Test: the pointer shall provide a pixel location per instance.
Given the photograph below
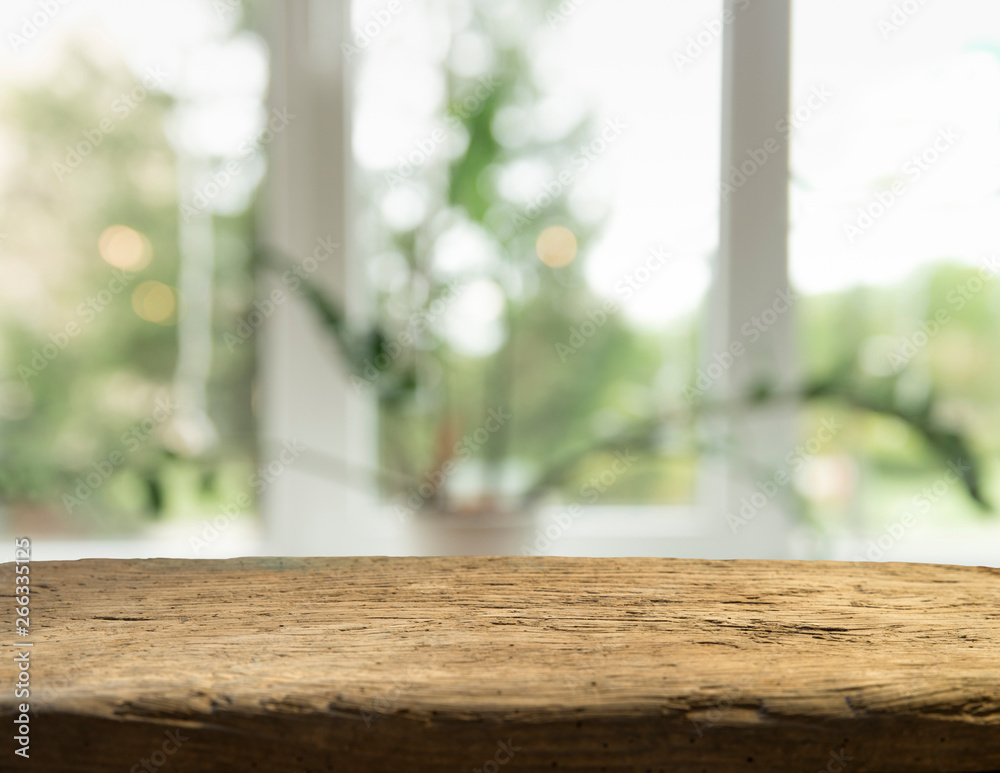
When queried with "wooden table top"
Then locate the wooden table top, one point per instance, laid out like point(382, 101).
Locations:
point(527, 663)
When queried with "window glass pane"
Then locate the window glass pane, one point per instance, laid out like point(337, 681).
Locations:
point(540, 186)
point(896, 168)
point(125, 263)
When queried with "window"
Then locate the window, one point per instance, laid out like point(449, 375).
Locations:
point(892, 243)
point(553, 219)
point(126, 264)
point(609, 262)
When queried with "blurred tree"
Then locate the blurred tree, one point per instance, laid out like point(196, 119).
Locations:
point(90, 306)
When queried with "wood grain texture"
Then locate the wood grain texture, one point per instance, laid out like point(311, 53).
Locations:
point(526, 663)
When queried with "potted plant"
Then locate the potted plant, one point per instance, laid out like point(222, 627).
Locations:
point(459, 415)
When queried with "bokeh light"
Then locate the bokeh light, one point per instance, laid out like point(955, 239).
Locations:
point(125, 248)
point(154, 302)
point(556, 246)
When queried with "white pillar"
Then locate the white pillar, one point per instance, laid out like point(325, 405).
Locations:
point(753, 261)
point(316, 506)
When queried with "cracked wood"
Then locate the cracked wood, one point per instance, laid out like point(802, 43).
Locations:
point(524, 663)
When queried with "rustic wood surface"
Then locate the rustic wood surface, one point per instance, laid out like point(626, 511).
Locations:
point(441, 664)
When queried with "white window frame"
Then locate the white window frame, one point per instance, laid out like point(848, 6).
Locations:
point(307, 512)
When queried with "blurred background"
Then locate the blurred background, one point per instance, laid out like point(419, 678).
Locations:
point(488, 276)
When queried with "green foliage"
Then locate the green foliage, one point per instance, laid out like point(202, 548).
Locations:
point(573, 407)
point(97, 401)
